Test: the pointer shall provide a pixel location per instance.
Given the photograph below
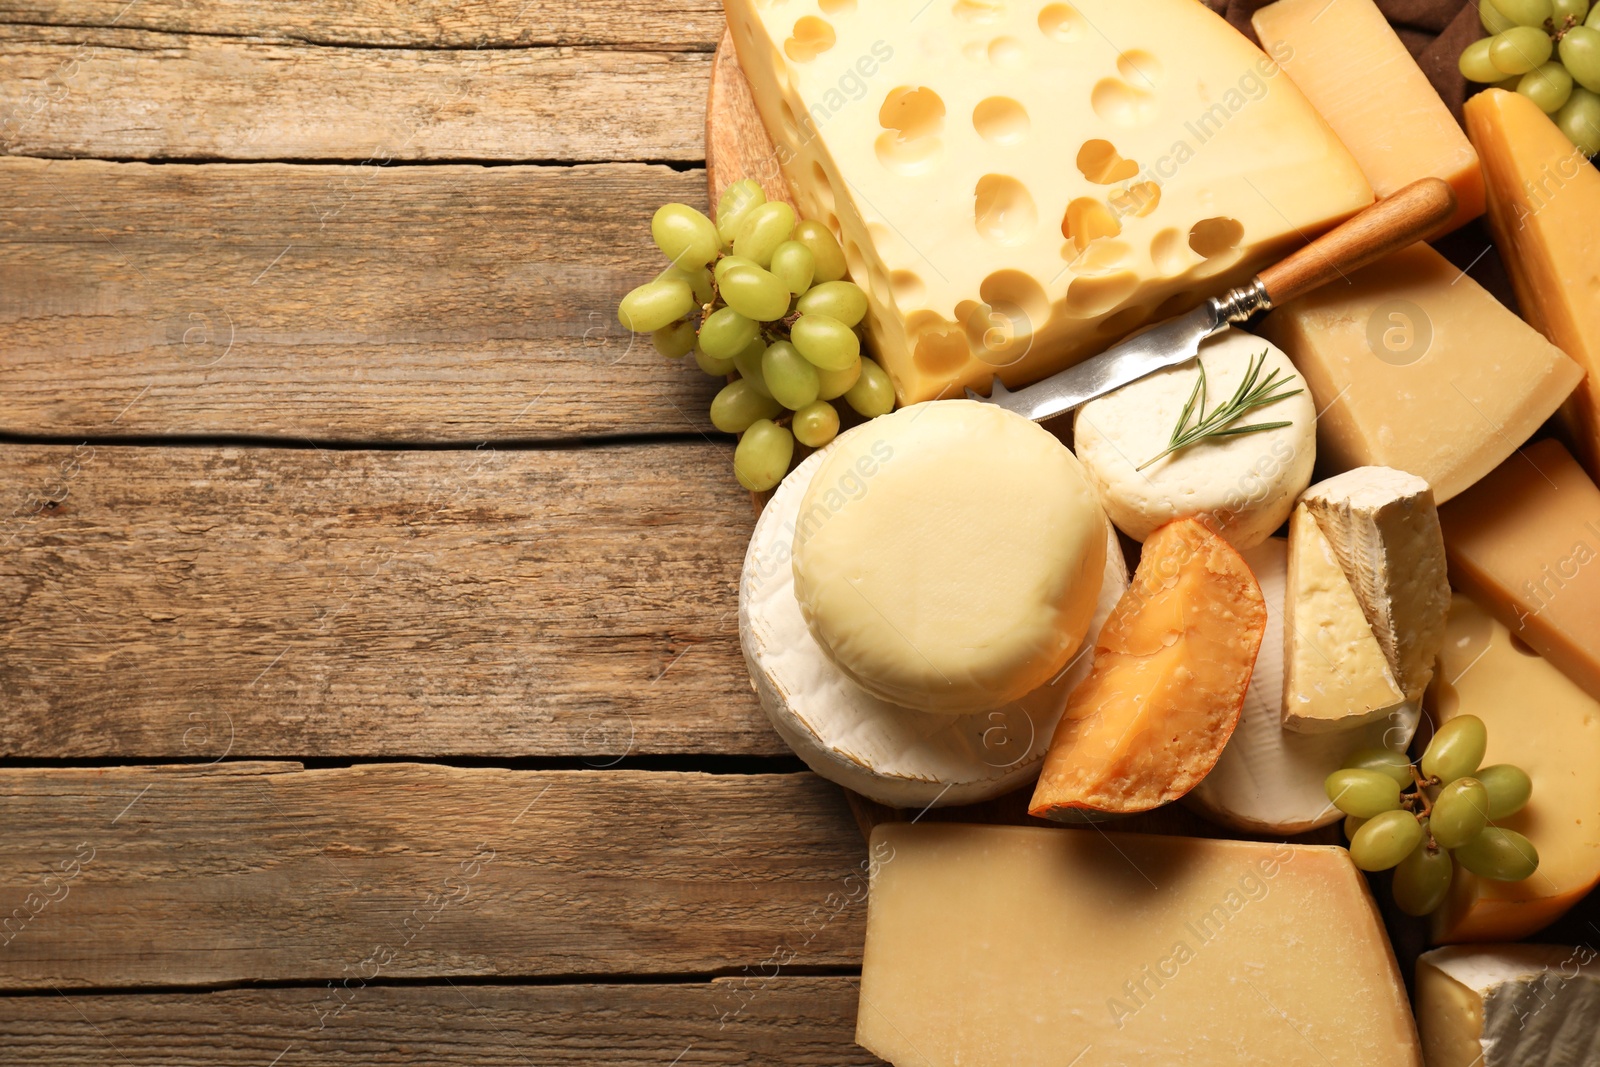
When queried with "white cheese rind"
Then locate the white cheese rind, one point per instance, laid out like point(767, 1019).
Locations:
point(1384, 528)
point(891, 754)
point(965, 571)
point(1269, 780)
point(1245, 485)
point(1509, 1006)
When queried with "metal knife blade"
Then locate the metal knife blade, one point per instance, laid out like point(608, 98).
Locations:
point(1167, 344)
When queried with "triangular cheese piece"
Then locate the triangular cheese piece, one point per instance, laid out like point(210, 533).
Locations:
point(1335, 674)
point(1544, 211)
point(1384, 529)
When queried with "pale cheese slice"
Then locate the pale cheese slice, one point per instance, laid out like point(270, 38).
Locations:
point(1336, 676)
point(1384, 529)
point(1004, 946)
point(1269, 780)
point(1509, 1006)
point(894, 755)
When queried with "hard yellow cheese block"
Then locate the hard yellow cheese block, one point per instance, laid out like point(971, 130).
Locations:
point(1354, 69)
point(1541, 722)
point(1016, 192)
point(994, 946)
point(1414, 366)
point(1544, 211)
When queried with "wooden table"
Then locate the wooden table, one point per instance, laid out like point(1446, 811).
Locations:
point(370, 688)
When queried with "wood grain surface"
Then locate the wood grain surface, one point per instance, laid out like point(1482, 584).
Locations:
point(264, 872)
point(381, 304)
point(201, 602)
point(737, 144)
point(806, 1022)
point(138, 94)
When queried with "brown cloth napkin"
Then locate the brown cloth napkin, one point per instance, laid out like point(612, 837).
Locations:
point(1435, 31)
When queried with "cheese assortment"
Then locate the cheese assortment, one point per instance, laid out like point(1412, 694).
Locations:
point(1243, 485)
point(1509, 1006)
point(1012, 191)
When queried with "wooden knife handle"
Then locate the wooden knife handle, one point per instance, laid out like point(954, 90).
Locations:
point(1387, 226)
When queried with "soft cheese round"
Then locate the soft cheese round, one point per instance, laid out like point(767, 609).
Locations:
point(1246, 482)
point(892, 754)
point(949, 557)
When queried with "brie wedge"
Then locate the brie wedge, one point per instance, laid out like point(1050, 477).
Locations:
point(891, 754)
point(1509, 1006)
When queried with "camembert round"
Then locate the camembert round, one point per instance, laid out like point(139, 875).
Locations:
point(948, 557)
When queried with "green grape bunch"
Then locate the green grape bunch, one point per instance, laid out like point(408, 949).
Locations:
point(1415, 819)
point(1549, 51)
point(774, 306)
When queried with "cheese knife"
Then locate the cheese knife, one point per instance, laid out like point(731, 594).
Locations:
point(1386, 226)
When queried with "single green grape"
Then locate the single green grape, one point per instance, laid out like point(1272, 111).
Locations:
point(1593, 21)
point(1548, 86)
point(1520, 50)
point(674, 341)
point(748, 364)
point(793, 264)
point(1491, 19)
point(739, 404)
point(1352, 823)
point(1459, 812)
point(1422, 879)
point(816, 424)
point(1561, 10)
point(1361, 792)
point(698, 279)
point(835, 383)
point(763, 455)
point(791, 379)
point(727, 263)
point(655, 304)
point(1580, 54)
point(755, 293)
point(838, 300)
point(1579, 119)
point(737, 201)
point(1500, 855)
point(873, 393)
point(827, 342)
point(1523, 12)
point(717, 368)
point(1475, 64)
point(1456, 750)
point(763, 230)
point(685, 236)
point(825, 250)
point(725, 333)
point(1508, 787)
point(1385, 840)
point(1383, 760)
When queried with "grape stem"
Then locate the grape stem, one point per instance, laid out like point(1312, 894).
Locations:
point(1566, 25)
point(1421, 796)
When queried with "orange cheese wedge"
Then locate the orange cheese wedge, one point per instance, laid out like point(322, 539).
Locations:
point(1170, 673)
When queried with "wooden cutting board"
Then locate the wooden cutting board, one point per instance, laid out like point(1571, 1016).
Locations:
point(738, 147)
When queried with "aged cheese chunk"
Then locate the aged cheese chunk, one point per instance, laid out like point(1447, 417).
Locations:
point(1268, 779)
point(1001, 946)
point(1242, 486)
point(966, 573)
point(1016, 185)
point(1414, 366)
point(1335, 674)
point(1541, 722)
point(1384, 528)
point(1170, 673)
point(1354, 69)
point(893, 755)
point(1509, 1006)
point(1544, 212)
point(1525, 542)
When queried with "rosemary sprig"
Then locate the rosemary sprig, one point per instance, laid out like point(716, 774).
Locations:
point(1250, 395)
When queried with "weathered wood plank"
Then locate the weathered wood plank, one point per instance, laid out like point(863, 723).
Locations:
point(413, 304)
point(189, 602)
point(688, 24)
point(117, 93)
point(182, 876)
point(790, 1021)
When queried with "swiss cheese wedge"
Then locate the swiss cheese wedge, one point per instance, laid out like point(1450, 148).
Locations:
point(1170, 674)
